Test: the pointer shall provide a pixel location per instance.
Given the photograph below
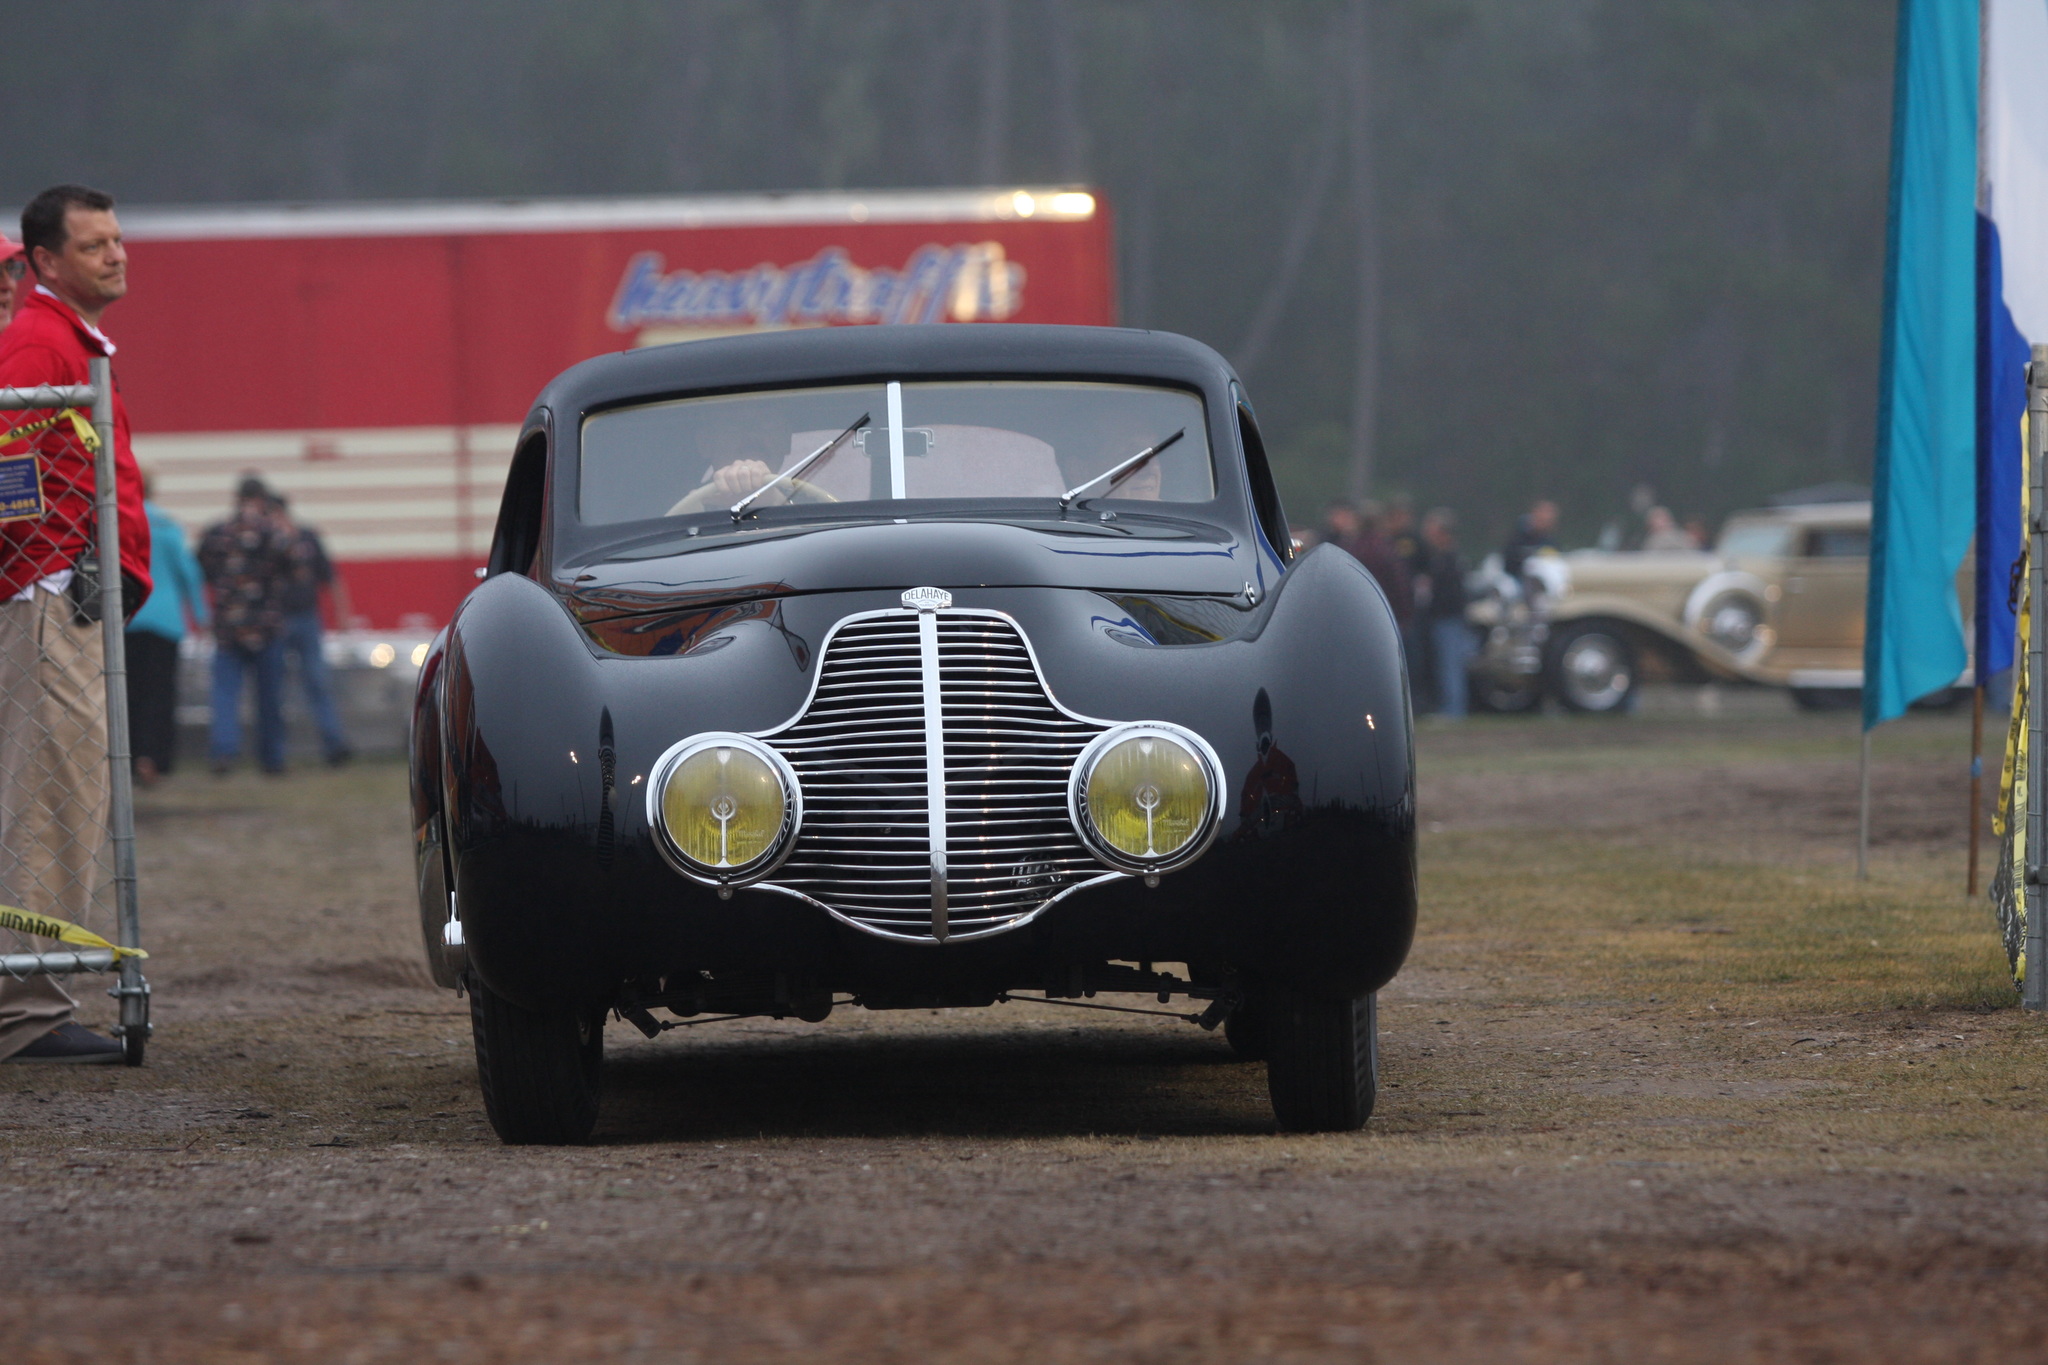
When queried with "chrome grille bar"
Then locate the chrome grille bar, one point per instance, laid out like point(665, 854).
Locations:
point(934, 762)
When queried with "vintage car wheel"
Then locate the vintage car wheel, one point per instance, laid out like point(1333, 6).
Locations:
point(1245, 1031)
point(540, 1070)
point(1323, 1061)
point(1592, 668)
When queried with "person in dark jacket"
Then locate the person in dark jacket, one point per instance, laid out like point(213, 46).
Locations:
point(1405, 538)
point(154, 634)
point(1443, 611)
point(1360, 533)
point(248, 565)
point(304, 635)
point(1535, 531)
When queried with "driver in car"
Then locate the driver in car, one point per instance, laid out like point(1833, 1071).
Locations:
point(727, 483)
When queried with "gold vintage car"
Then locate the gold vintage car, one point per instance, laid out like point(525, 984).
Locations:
point(1778, 601)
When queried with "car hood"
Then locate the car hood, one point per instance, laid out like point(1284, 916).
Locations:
point(1131, 554)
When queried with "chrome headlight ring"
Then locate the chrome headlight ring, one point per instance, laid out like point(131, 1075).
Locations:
point(753, 869)
point(1211, 769)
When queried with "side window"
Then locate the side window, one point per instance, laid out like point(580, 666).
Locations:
point(520, 515)
point(1265, 497)
point(1838, 542)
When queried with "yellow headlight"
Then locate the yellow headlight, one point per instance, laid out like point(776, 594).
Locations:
point(1149, 796)
point(724, 807)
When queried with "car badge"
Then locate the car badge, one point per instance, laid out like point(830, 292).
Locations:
point(927, 599)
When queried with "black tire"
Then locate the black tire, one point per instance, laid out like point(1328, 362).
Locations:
point(1941, 699)
point(1827, 698)
point(1245, 1031)
point(1509, 694)
point(1591, 668)
point(1323, 1067)
point(541, 1071)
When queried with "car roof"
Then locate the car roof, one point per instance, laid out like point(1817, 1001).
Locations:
point(825, 355)
point(1810, 514)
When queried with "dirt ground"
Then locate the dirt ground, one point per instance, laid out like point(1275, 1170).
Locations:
point(1662, 1083)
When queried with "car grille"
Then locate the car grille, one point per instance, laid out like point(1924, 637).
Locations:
point(859, 749)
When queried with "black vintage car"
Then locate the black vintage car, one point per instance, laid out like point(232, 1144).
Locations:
point(908, 667)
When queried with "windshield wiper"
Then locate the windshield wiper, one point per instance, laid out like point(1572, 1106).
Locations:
point(1116, 475)
point(739, 508)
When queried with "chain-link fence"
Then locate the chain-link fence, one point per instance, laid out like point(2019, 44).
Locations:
point(67, 818)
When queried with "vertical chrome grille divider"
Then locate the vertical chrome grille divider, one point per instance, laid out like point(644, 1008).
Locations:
point(934, 761)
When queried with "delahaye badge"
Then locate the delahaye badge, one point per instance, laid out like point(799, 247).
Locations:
point(927, 599)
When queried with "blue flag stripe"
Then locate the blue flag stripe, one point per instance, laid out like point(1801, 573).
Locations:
point(1924, 486)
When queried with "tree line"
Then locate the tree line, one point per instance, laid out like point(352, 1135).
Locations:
point(1473, 251)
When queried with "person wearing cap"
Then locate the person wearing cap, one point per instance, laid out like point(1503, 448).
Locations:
point(13, 266)
point(247, 560)
point(53, 723)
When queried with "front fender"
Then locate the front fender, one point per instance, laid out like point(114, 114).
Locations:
point(1716, 659)
point(1312, 879)
point(546, 743)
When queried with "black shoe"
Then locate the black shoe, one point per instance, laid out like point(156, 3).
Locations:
point(339, 758)
point(70, 1043)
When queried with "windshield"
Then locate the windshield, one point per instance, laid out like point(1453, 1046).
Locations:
point(920, 441)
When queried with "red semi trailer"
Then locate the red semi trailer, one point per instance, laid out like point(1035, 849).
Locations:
point(372, 361)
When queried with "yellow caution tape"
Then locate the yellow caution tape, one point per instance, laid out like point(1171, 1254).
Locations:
point(2010, 822)
point(47, 926)
point(80, 426)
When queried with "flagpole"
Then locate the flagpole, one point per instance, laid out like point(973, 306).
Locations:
point(1976, 785)
point(1863, 816)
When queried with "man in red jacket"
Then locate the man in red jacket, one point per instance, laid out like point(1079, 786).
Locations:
point(54, 778)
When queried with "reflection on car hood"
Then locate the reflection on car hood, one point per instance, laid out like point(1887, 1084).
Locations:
point(1133, 554)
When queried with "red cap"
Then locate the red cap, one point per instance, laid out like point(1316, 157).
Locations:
point(10, 248)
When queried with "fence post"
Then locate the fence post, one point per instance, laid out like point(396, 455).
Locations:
point(2034, 989)
point(133, 990)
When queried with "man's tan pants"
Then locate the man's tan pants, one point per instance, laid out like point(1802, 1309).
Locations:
point(53, 792)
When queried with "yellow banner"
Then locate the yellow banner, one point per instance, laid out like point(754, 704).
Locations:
point(46, 926)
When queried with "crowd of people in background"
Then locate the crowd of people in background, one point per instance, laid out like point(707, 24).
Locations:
point(1424, 573)
point(263, 573)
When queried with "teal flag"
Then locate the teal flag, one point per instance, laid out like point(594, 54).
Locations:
point(1924, 490)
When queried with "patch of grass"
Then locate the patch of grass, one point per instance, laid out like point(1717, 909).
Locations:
point(1582, 917)
point(1509, 745)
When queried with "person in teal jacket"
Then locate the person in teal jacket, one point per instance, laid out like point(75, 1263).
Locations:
point(177, 604)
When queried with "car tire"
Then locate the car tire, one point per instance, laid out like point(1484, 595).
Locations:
point(1591, 668)
point(541, 1071)
point(1827, 698)
point(1941, 699)
point(1245, 1031)
point(1504, 695)
point(1323, 1061)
